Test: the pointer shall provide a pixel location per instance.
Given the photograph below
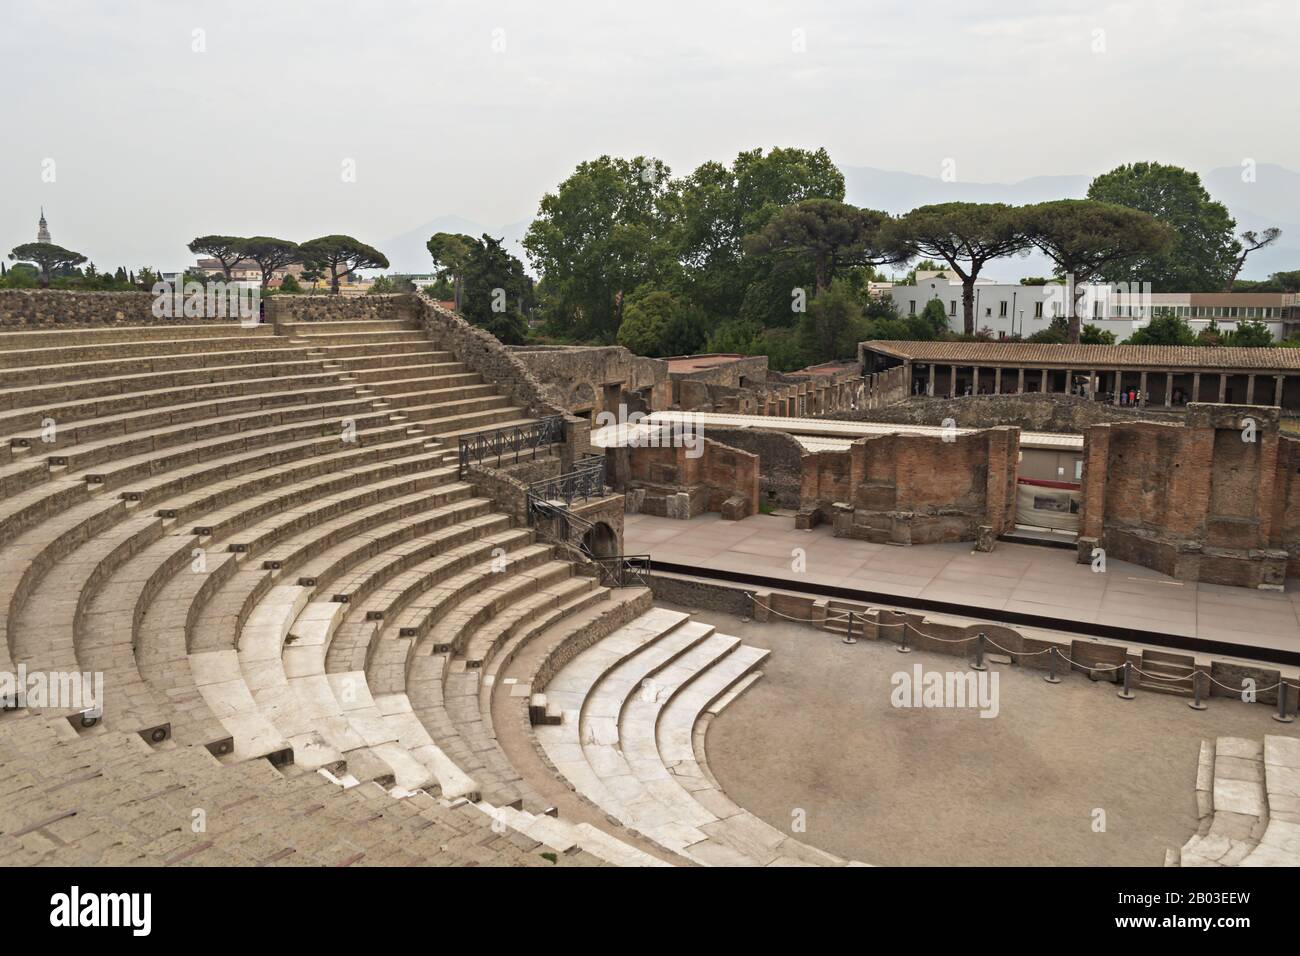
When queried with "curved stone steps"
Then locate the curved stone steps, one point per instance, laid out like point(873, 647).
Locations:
point(83, 425)
point(1280, 843)
point(1239, 812)
point(270, 351)
point(45, 628)
point(29, 557)
point(109, 800)
point(401, 583)
point(590, 693)
point(679, 741)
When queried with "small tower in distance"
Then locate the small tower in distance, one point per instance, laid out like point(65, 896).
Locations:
point(43, 229)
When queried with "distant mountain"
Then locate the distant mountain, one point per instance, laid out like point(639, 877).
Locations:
point(407, 252)
point(1273, 199)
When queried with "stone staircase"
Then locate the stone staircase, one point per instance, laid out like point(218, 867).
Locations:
point(632, 711)
point(1248, 802)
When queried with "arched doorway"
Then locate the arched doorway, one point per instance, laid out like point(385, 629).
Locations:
point(600, 540)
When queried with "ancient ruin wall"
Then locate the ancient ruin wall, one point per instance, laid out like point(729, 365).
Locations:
point(1211, 500)
point(916, 489)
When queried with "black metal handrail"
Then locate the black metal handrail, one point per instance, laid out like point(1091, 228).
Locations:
point(615, 570)
point(586, 481)
point(513, 440)
point(624, 570)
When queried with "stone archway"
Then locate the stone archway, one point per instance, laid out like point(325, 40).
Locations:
point(601, 540)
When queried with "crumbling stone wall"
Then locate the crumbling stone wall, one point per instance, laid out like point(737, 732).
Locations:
point(780, 458)
point(670, 482)
point(916, 489)
point(577, 377)
point(1213, 499)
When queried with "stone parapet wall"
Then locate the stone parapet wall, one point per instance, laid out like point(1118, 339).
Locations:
point(483, 352)
point(580, 378)
point(340, 308)
point(60, 308)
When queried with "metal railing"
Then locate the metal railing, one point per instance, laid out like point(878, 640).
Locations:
point(614, 570)
point(624, 570)
point(503, 442)
point(586, 481)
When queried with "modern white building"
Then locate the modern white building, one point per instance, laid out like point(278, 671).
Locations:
point(1008, 310)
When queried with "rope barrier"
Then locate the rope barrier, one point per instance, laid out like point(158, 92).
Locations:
point(850, 616)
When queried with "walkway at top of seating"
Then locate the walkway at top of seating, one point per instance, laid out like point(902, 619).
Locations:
point(1018, 578)
point(824, 432)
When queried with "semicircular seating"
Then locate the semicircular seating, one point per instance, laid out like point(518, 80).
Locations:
point(290, 610)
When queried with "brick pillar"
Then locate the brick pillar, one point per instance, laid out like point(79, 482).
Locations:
point(1169, 389)
point(1223, 387)
point(997, 380)
point(1196, 386)
point(1092, 493)
point(1250, 389)
point(1142, 387)
point(1020, 379)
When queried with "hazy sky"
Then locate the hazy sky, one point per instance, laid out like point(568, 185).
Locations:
point(153, 132)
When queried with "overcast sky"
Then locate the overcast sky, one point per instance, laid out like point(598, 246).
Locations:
point(158, 121)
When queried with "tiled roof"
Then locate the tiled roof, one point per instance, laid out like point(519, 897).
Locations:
point(1094, 356)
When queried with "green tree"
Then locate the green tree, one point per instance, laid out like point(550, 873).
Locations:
point(1165, 328)
point(289, 284)
point(269, 253)
point(603, 233)
point(935, 317)
point(965, 235)
point(1251, 241)
point(720, 205)
point(450, 252)
point(341, 256)
point(48, 258)
point(1096, 335)
point(495, 288)
point(826, 235)
point(1085, 238)
point(1250, 334)
point(657, 323)
point(833, 325)
point(222, 248)
point(1202, 253)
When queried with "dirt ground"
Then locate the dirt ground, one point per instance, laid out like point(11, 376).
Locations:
point(818, 737)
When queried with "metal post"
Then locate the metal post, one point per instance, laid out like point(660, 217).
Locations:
point(1127, 692)
point(979, 653)
point(1051, 677)
point(1282, 717)
point(1196, 703)
point(849, 638)
point(902, 647)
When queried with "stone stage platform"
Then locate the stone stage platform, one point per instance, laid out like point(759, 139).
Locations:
point(1012, 579)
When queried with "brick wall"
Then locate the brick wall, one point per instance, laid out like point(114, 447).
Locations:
point(670, 482)
point(1213, 499)
point(916, 489)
